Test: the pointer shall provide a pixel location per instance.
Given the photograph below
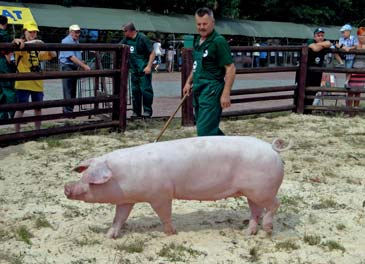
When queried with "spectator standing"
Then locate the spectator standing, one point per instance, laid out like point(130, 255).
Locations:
point(29, 61)
point(256, 56)
point(7, 91)
point(141, 59)
point(357, 80)
point(170, 58)
point(263, 56)
point(318, 48)
point(71, 61)
point(212, 75)
point(347, 42)
point(158, 52)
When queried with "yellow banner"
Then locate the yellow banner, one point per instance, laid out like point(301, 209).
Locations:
point(17, 15)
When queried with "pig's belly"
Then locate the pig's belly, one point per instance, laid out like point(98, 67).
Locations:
point(207, 188)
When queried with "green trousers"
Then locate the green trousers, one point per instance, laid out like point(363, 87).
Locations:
point(207, 107)
point(142, 93)
point(7, 96)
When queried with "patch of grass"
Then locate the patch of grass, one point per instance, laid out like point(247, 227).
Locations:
point(53, 142)
point(4, 235)
point(136, 246)
point(312, 240)
point(41, 222)
point(85, 241)
point(326, 204)
point(287, 245)
point(340, 227)
point(23, 234)
point(290, 203)
point(254, 254)
point(174, 252)
point(11, 258)
point(83, 261)
point(333, 245)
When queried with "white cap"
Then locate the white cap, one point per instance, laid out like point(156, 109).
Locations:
point(346, 27)
point(74, 27)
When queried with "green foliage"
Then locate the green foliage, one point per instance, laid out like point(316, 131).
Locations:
point(135, 246)
point(327, 12)
point(174, 252)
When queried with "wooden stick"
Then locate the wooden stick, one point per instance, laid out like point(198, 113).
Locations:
point(171, 117)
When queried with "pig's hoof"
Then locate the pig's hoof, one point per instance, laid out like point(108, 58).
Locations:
point(171, 232)
point(251, 231)
point(268, 229)
point(112, 233)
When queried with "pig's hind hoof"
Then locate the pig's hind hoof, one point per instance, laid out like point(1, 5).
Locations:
point(112, 233)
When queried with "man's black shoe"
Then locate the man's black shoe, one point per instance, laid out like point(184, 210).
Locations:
point(135, 115)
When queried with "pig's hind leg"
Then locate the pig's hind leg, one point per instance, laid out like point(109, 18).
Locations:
point(271, 208)
point(122, 212)
point(256, 212)
point(163, 209)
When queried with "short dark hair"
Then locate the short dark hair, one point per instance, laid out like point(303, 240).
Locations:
point(129, 26)
point(3, 20)
point(204, 11)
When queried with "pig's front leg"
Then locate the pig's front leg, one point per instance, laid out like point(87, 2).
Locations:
point(121, 214)
point(163, 209)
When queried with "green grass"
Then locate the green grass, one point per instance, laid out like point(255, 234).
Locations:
point(333, 245)
point(23, 234)
point(85, 241)
point(287, 245)
point(41, 222)
point(340, 227)
point(175, 252)
point(312, 240)
point(326, 204)
point(11, 258)
point(136, 246)
point(254, 254)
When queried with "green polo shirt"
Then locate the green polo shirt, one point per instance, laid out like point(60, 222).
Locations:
point(211, 57)
point(140, 49)
point(316, 58)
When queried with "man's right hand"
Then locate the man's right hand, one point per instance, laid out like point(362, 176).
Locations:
point(86, 67)
point(187, 89)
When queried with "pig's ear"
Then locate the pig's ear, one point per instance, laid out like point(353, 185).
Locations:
point(98, 174)
point(83, 165)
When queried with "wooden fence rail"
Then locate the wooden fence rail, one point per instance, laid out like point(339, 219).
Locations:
point(118, 74)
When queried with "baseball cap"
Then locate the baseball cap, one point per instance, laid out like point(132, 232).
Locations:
point(74, 27)
point(318, 30)
point(30, 26)
point(346, 27)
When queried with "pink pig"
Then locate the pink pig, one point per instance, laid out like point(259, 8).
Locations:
point(199, 168)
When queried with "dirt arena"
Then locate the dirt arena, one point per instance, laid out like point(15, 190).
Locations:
point(321, 218)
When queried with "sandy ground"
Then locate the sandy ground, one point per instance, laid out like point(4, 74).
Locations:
point(321, 218)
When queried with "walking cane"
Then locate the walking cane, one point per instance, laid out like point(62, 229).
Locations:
point(171, 117)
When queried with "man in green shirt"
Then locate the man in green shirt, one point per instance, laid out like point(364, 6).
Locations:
point(318, 48)
point(212, 76)
point(7, 91)
point(142, 56)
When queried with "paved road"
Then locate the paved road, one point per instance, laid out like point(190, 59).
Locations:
point(167, 87)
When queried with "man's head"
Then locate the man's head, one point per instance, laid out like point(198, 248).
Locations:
point(129, 30)
point(318, 35)
point(204, 20)
point(346, 31)
point(30, 31)
point(3, 21)
point(75, 31)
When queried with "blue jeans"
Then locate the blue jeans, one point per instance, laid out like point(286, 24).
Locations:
point(69, 86)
